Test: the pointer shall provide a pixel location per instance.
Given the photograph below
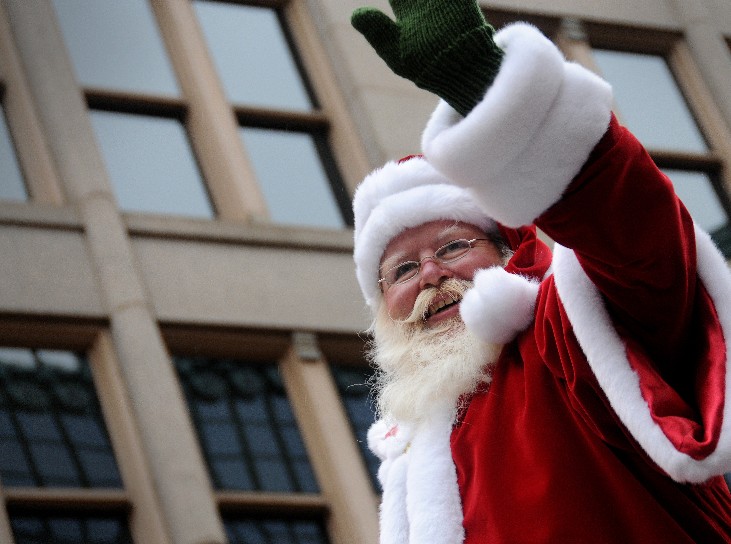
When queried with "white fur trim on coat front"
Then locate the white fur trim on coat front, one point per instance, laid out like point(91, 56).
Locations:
point(421, 501)
point(606, 354)
point(521, 146)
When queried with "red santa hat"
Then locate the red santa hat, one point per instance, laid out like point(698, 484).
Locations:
point(400, 195)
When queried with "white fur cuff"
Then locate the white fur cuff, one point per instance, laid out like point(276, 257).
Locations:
point(499, 305)
point(521, 146)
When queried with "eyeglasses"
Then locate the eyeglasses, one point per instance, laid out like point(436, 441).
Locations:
point(448, 253)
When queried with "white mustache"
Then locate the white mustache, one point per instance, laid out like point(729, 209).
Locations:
point(451, 287)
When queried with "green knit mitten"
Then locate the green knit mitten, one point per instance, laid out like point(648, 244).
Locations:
point(443, 46)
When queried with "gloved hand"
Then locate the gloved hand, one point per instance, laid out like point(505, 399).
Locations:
point(443, 46)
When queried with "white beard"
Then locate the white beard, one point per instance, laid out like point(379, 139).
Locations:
point(424, 369)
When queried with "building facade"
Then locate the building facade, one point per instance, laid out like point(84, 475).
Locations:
point(181, 331)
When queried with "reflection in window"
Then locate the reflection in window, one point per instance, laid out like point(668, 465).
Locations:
point(116, 45)
point(696, 191)
point(355, 392)
point(274, 532)
point(51, 429)
point(292, 177)
point(649, 101)
point(12, 186)
point(246, 426)
point(151, 164)
point(252, 55)
point(69, 530)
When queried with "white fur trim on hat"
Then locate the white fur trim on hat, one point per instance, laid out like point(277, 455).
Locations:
point(399, 196)
point(521, 146)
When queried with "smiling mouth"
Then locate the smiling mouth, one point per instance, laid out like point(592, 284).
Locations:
point(442, 304)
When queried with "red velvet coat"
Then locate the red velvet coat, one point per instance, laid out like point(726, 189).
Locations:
point(606, 420)
point(542, 456)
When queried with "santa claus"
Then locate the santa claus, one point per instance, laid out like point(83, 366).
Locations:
point(524, 396)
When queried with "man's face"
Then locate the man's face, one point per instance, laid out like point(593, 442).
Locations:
point(415, 244)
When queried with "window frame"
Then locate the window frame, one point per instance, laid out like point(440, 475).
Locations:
point(77, 336)
point(716, 162)
point(336, 462)
point(32, 153)
point(135, 501)
point(212, 122)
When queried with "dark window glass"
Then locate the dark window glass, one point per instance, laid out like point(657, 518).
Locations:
point(252, 55)
point(246, 426)
point(275, 532)
point(116, 45)
point(12, 186)
point(52, 433)
point(296, 186)
point(37, 529)
point(151, 164)
point(355, 392)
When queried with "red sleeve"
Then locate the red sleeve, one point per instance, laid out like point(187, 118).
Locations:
point(635, 241)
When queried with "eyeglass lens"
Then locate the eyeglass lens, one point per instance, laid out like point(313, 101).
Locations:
point(448, 252)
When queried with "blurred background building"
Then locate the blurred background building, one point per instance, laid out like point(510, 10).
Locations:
point(181, 347)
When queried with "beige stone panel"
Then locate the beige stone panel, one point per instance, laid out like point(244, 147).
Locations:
point(365, 68)
point(398, 120)
point(708, 49)
point(722, 11)
point(30, 256)
point(338, 11)
point(251, 286)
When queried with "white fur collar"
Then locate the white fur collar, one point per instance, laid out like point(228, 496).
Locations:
point(421, 501)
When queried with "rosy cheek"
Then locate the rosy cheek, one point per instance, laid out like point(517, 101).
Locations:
point(400, 304)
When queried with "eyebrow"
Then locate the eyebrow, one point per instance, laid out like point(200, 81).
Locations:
point(448, 232)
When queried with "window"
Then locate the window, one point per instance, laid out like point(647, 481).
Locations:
point(354, 385)
point(151, 164)
point(12, 186)
point(252, 444)
point(253, 56)
point(281, 129)
point(104, 52)
point(167, 142)
point(246, 426)
point(651, 104)
point(274, 531)
point(294, 180)
point(53, 437)
point(91, 529)
point(135, 106)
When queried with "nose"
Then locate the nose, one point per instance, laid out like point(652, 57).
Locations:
point(432, 273)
